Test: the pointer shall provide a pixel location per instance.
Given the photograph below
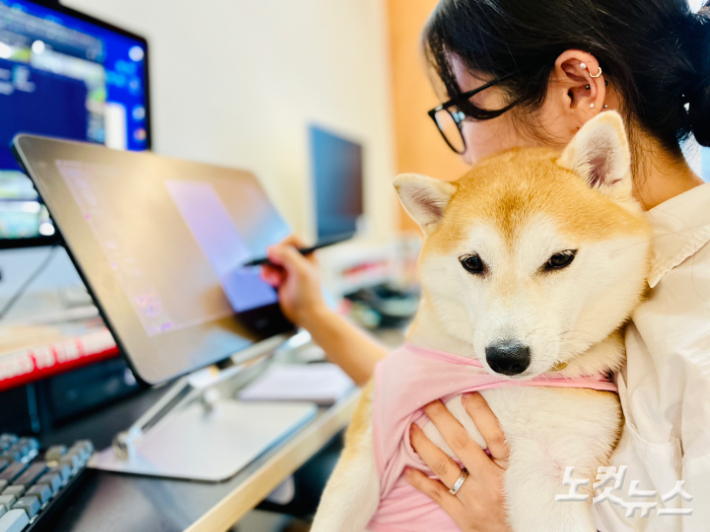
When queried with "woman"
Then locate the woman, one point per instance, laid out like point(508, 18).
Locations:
point(527, 73)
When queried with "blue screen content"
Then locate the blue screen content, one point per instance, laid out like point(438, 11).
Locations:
point(64, 77)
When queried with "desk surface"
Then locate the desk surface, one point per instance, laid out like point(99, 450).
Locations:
point(116, 502)
point(113, 502)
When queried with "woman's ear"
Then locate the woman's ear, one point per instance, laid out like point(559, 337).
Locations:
point(577, 88)
point(424, 198)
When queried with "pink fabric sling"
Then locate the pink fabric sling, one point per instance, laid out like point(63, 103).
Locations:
point(405, 381)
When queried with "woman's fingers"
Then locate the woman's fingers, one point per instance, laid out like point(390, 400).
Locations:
point(286, 255)
point(294, 241)
point(487, 424)
point(437, 460)
point(288, 258)
point(463, 446)
point(274, 275)
point(434, 489)
point(480, 502)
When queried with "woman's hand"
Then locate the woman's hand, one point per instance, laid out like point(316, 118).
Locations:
point(479, 505)
point(297, 280)
point(301, 299)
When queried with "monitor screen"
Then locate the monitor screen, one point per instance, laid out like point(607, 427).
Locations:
point(338, 184)
point(64, 75)
point(162, 245)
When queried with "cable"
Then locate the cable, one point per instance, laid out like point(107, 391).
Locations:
point(21, 291)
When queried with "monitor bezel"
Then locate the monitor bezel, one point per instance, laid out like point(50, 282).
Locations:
point(42, 241)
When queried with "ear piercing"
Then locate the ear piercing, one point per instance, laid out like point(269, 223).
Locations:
point(606, 106)
point(583, 66)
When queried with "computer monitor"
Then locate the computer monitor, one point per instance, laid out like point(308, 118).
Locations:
point(162, 245)
point(337, 167)
point(63, 74)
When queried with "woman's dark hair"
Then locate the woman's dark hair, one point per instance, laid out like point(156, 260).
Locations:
point(655, 53)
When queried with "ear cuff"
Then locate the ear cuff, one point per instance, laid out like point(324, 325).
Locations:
point(583, 66)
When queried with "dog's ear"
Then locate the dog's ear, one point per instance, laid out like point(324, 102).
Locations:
point(424, 198)
point(600, 153)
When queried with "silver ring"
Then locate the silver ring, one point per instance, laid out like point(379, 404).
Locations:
point(459, 482)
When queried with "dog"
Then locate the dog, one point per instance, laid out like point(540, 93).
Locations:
point(530, 267)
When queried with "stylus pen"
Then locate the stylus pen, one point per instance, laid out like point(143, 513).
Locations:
point(304, 251)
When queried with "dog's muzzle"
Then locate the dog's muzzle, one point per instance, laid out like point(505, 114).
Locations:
point(508, 358)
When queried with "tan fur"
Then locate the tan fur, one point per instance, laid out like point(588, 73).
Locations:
point(360, 422)
point(513, 205)
point(505, 189)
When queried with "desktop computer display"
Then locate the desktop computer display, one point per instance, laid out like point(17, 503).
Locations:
point(66, 75)
point(337, 166)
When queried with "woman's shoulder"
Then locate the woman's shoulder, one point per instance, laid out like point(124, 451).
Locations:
point(679, 276)
point(675, 313)
point(677, 306)
point(687, 276)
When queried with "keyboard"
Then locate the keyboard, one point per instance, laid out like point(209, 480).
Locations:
point(32, 482)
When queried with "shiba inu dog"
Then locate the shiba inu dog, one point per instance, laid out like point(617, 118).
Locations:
point(531, 265)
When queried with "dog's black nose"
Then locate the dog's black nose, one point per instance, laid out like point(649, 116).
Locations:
point(508, 358)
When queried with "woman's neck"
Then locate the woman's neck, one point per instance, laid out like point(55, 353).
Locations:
point(661, 175)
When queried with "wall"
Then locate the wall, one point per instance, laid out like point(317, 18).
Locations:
point(419, 145)
point(236, 82)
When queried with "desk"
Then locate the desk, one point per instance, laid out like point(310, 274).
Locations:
point(112, 502)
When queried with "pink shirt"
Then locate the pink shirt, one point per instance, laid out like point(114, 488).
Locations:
point(406, 381)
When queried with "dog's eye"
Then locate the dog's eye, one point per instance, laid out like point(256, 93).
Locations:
point(560, 260)
point(472, 264)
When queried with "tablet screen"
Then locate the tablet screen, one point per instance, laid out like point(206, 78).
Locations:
point(162, 243)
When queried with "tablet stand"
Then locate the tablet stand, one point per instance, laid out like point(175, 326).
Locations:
point(199, 431)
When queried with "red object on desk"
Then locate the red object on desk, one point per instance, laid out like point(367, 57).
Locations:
point(31, 364)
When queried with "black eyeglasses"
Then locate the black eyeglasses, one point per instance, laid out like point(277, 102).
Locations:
point(449, 116)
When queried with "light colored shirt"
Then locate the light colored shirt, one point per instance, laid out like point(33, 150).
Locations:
point(403, 385)
point(665, 386)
